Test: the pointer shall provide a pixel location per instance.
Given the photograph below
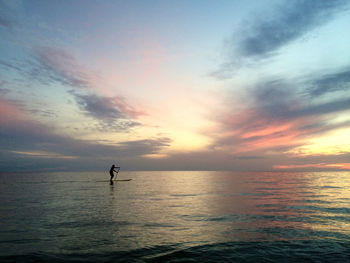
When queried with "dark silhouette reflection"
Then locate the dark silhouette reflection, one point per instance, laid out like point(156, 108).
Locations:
point(111, 192)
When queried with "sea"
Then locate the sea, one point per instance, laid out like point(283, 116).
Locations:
point(180, 216)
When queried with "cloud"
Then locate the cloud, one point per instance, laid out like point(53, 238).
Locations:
point(17, 130)
point(321, 166)
point(209, 160)
point(106, 107)
point(7, 19)
point(113, 113)
point(338, 81)
point(290, 22)
point(32, 108)
point(279, 100)
point(99, 107)
point(322, 108)
point(57, 65)
point(26, 139)
point(274, 98)
point(277, 117)
point(262, 37)
point(318, 162)
point(3, 91)
point(10, 65)
point(53, 65)
point(144, 146)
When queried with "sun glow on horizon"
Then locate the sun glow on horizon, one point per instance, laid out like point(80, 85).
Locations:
point(333, 143)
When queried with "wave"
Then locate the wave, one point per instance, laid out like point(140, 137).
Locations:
point(281, 251)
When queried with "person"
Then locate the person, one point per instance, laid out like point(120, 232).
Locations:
point(113, 170)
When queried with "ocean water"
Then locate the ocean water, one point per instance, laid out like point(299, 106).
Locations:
point(175, 217)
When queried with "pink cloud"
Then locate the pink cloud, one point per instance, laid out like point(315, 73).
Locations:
point(13, 119)
point(249, 130)
point(336, 166)
point(126, 108)
point(10, 114)
point(61, 66)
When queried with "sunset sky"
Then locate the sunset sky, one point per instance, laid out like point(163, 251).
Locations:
point(175, 85)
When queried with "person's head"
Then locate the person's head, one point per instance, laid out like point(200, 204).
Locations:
point(113, 165)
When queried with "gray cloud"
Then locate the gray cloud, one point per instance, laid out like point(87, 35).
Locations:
point(337, 81)
point(322, 108)
point(80, 148)
point(7, 19)
point(291, 21)
point(276, 99)
point(44, 113)
point(3, 91)
point(209, 160)
point(113, 113)
point(53, 65)
point(260, 39)
point(21, 135)
point(50, 65)
point(56, 65)
point(279, 117)
point(145, 146)
point(315, 160)
point(99, 107)
point(11, 66)
point(105, 107)
point(249, 157)
point(121, 125)
point(319, 127)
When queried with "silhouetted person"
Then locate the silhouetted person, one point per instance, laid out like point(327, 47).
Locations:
point(112, 170)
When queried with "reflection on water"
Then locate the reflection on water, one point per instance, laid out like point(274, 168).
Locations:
point(73, 212)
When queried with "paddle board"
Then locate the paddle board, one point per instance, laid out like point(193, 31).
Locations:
point(117, 180)
point(123, 180)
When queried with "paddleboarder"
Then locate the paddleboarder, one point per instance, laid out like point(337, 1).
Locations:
point(112, 170)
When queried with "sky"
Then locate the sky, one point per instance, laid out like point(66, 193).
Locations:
point(175, 85)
